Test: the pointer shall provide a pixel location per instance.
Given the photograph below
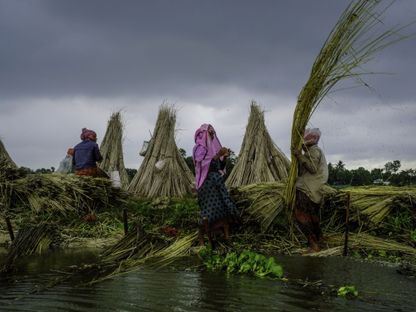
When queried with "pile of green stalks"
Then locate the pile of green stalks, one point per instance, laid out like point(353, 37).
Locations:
point(163, 172)
point(353, 42)
point(111, 149)
point(135, 250)
point(377, 202)
point(261, 202)
point(31, 239)
point(264, 203)
point(260, 160)
point(62, 194)
point(62, 200)
point(155, 214)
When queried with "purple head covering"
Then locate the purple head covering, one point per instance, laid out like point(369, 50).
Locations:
point(204, 150)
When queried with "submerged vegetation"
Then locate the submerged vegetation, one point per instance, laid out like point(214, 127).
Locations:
point(244, 262)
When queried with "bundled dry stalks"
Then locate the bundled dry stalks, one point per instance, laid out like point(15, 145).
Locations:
point(112, 149)
point(4, 155)
point(163, 172)
point(260, 160)
point(354, 41)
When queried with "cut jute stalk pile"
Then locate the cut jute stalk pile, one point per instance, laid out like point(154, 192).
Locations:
point(376, 203)
point(363, 241)
point(112, 149)
point(163, 172)
point(30, 240)
point(136, 249)
point(57, 193)
point(369, 205)
point(260, 160)
point(354, 41)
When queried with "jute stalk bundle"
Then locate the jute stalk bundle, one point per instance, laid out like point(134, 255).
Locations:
point(260, 160)
point(363, 241)
point(30, 240)
point(369, 205)
point(112, 149)
point(139, 248)
point(264, 201)
point(352, 43)
point(376, 203)
point(58, 193)
point(4, 155)
point(163, 172)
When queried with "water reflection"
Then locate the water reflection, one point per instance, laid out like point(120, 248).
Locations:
point(380, 288)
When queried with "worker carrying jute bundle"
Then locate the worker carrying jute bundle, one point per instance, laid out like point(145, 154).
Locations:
point(313, 174)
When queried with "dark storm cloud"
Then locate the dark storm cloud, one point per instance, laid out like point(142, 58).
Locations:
point(110, 48)
point(66, 64)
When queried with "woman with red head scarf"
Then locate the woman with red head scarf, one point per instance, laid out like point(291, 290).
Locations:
point(213, 198)
point(313, 174)
point(86, 154)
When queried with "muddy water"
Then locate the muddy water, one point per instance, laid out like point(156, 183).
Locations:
point(181, 289)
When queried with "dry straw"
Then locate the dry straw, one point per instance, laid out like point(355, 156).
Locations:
point(260, 160)
point(112, 149)
point(353, 42)
point(4, 155)
point(163, 172)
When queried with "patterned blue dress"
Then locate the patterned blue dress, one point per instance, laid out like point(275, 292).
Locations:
point(213, 198)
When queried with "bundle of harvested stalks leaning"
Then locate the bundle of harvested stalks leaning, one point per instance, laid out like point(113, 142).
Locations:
point(5, 157)
point(112, 149)
point(30, 240)
point(163, 172)
point(139, 248)
point(260, 160)
point(352, 43)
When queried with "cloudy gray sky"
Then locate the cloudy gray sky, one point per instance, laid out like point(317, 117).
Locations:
point(68, 64)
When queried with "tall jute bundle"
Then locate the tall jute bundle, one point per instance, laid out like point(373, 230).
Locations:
point(4, 155)
point(112, 149)
point(354, 41)
point(260, 160)
point(163, 171)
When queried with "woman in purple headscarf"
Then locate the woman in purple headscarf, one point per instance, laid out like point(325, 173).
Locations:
point(213, 198)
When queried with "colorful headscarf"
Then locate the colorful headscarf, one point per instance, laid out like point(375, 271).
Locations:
point(88, 134)
point(311, 136)
point(212, 146)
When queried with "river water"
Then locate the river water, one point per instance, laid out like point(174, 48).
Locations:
point(185, 288)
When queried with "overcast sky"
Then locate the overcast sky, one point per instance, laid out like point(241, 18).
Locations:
point(68, 64)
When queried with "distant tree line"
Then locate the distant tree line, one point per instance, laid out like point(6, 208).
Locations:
point(389, 175)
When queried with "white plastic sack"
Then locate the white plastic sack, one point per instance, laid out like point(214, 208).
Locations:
point(160, 164)
point(115, 178)
point(65, 166)
point(145, 146)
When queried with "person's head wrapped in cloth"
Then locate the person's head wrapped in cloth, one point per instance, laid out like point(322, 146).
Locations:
point(311, 136)
point(88, 134)
point(206, 147)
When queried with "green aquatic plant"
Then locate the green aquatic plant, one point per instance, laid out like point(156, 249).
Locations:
point(244, 262)
point(347, 292)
